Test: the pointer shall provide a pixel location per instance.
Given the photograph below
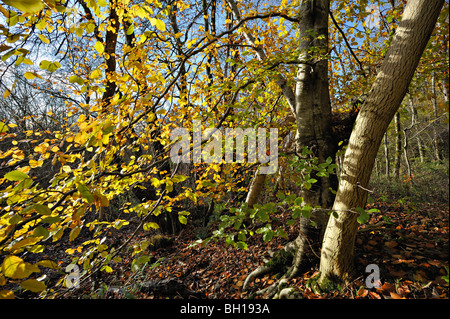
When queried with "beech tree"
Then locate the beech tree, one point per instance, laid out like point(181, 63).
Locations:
point(127, 73)
point(383, 100)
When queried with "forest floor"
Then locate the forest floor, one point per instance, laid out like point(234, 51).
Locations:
point(408, 242)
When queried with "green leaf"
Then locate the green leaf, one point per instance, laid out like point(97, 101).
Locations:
point(298, 201)
point(85, 193)
point(241, 245)
point(130, 29)
point(42, 209)
point(74, 233)
point(16, 176)
point(182, 219)
point(268, 235)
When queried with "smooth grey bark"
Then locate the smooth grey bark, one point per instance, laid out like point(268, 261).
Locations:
point(313, 116)
point(384, 98)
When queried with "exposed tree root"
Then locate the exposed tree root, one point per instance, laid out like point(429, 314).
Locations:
point(289, 261)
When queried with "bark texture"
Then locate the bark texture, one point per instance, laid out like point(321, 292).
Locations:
point(313, 116)
point(384, 98)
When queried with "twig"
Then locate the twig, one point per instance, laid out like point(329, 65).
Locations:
point(348, 44)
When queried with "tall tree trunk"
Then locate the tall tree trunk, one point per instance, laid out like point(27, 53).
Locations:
point(386, 155)
point(313, 116)
point(398, 145)
point(110, 50)
point(437, 155)
point(384, 98)
point(414, 121)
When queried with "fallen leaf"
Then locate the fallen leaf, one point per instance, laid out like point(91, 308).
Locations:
point(362, 292)
point(390, 244)
point(403, 290)
point(396, 296)
point(388, 287)
point(374, 295)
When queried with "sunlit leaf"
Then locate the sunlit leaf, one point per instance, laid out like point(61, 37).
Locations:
point(16, 176)
point(33, 285)
point(27, 6)
point(15, 268)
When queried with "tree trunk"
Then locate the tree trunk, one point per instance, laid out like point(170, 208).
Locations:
point(386, 154)
point(313, 116)
point(437, 155)
point(398, 145)
point(414, 121)
point(255, 189)
point(384, 98)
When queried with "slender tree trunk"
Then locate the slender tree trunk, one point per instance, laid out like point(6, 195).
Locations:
point(255, 189)
point(405, 150)
point(110, 50)
point(398, 145)
point(437, 155)
point(386, 154)
point(384, 98)
point(414, 121)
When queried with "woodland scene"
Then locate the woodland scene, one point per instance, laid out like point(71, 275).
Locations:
point(224, 149)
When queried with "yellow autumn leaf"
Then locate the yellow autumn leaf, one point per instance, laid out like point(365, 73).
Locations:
point(29, 75)
point(66, 169)
point(55, 149)
point(6, 294)
point(160, 25)
point(27, 6)
point(25, 242)
point(95, 74)
point(15, 268)
point(3, 128)
point(80, 138)
point(44, 38)
point(99, 47)
point(6, 93)
point(33, 285)
point(100, 200)
point(34, 163)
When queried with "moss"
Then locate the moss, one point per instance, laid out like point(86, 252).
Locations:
point(281, 261)
point(321, 285)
